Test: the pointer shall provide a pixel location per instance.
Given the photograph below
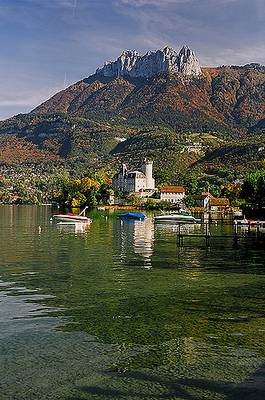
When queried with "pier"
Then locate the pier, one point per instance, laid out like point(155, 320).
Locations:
point(255, 234)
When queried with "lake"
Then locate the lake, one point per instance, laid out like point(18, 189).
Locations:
point(118, 311)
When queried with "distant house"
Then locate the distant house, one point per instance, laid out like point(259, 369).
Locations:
point(219, 204)
point(203, 200)
point(172, 194)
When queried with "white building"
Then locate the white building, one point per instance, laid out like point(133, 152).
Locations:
point(134, 181)
point(172, 194)
point(203, 200)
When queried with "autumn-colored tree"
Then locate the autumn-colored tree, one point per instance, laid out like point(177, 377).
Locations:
point(90, 184)
point(79, 192)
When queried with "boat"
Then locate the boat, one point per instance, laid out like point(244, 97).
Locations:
point(246, 222)
point(133, 215)
point(71, 218)
point(177, 217)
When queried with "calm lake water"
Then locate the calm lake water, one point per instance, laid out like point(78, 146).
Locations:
point(118, 311)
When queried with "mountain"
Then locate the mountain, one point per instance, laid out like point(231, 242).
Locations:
point(161, 104)
point(168, 88)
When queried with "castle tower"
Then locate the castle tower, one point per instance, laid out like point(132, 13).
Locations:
point(148, 169)
point(124, 170)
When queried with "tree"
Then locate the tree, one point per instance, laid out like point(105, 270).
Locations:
point(191, 183)
point(79, 192)
point(260, 194)
point(189, 201)
point(253, 189)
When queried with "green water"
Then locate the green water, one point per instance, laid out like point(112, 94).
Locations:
point(118, 311)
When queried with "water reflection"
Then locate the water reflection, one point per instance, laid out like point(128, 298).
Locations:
point(137, 238)
point(74, 227)
point(178, 228)
point(89, 303)
point(143, 240)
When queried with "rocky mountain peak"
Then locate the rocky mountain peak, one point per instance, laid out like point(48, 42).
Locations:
point(131, 64)
point(188, 62)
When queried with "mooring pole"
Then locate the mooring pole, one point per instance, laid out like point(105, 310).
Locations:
point(179, 236)
point(258, 232)
point(235, 234)
point(207, 235)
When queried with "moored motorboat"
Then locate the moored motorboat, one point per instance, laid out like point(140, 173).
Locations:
point(246, 222)
point(133, 215)
point(177, 217)
point(71, 218)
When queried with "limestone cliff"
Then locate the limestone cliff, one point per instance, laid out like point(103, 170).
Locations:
point(132, 64)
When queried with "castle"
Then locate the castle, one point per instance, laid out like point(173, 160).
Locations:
point(134, 181)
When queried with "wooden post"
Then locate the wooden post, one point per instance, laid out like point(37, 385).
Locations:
point(258, 232)
point(248, 228)
point(207, 235)
point(235, 235)
point(179, 236)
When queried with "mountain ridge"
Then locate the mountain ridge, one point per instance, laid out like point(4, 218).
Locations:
point(159, 114)
point(233, 97)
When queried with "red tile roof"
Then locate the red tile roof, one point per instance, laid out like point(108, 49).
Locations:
point(172, 189)
point(207, 194)
point(221, 201)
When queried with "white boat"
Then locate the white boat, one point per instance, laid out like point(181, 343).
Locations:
point(71, 218)
point(246, 222)
point(178, 217)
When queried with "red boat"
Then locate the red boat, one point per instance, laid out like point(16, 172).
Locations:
point(71, 218)
point(246, 222)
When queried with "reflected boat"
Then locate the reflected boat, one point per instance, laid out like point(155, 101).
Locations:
point(76, 227)
point(169, 227)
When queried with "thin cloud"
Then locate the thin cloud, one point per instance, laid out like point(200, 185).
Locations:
point(143, 3)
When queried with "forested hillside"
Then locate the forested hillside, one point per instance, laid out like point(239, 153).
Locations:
point(210, 124)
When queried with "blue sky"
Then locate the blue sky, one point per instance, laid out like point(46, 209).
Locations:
point(49, 44)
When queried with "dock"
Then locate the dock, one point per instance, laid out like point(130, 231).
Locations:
point(250, 233)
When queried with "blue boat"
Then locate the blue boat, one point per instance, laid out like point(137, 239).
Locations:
point(132, 215)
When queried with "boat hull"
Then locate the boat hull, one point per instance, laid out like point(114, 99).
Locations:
point(137, 216)
point(246, 222)
point(186, 219)
point(70, 218)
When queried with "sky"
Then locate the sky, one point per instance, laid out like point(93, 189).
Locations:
point(46, 45)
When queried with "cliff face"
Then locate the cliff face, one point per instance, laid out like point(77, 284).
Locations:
point(132, 64)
